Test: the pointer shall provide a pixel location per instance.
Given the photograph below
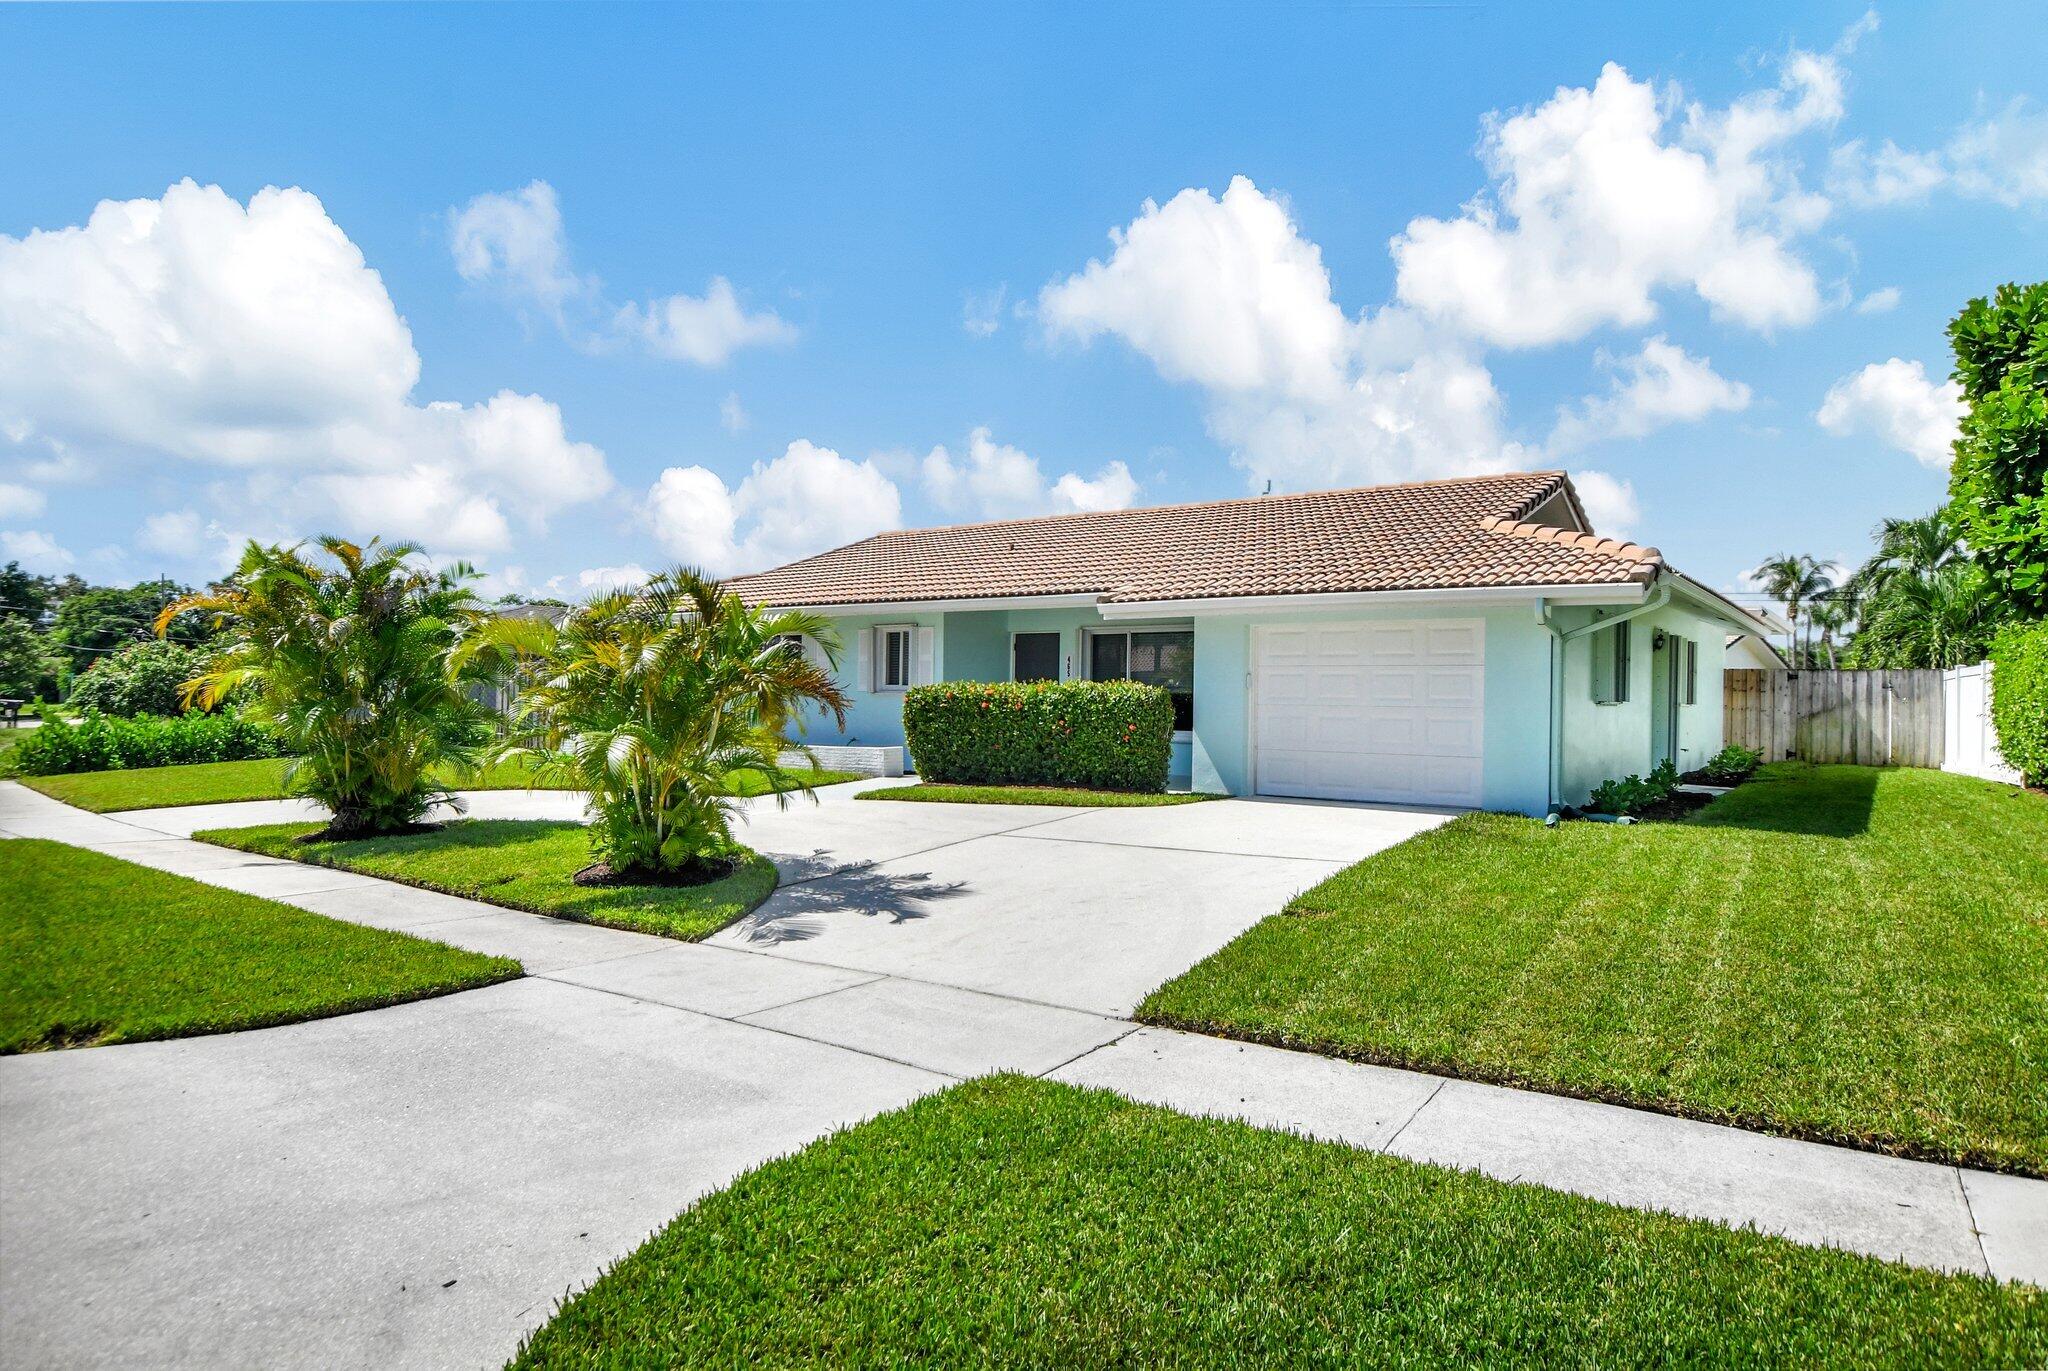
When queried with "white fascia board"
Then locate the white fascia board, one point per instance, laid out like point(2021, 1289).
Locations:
point(887, 607)
point(1628, 593)
point(1714, 605)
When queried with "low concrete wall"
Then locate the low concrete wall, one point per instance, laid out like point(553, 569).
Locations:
point(867, 761)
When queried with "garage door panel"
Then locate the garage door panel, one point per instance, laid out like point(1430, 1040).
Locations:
point(1376, 712)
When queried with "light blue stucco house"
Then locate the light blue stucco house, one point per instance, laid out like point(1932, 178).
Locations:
point(1467, 643)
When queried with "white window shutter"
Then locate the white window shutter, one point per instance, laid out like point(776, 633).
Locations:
point(926, 639)
point(864, 659)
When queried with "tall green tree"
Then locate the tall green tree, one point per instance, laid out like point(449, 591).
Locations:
point(1998, 483)
point(1796, 579)
point(28, 669)
point(348, 659)
point(646, 699)
point(100, 620)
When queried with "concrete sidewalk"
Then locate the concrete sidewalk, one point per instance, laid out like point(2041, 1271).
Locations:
point(416, 1185)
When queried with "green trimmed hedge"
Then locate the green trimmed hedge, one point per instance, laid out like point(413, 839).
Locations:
point(1106, 735)
point(2019, 698)
point(98, 743)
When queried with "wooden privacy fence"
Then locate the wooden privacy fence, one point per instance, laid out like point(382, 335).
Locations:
point(1865, 718)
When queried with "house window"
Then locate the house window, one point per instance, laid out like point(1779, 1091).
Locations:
point(792, 643)
point(1034, 656)
point(892, 657)
point(1610, 665)
point(1164, 659)
point(1692, 672)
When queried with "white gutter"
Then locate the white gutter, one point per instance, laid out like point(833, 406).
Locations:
point(1559, 639)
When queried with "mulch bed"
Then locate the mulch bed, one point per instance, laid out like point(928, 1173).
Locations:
point(696, 871)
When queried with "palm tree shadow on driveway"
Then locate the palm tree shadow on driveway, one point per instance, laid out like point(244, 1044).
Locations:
point(796, 912)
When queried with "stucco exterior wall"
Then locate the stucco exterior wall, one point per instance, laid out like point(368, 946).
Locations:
point(1600, 741)
point(1605, 741)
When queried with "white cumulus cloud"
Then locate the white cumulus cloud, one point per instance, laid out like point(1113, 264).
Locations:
point(806, 500)
point(18, 501)
point(1610, 503)
point(705, 329)
point(1659, 385)
point(1895, 402)
point(603, 578)
point(1601, 198)
point(994, 480)
point(254, 342)
point(515, 241)
point(37, 550)
point(1881, 301)
point(1228, 294)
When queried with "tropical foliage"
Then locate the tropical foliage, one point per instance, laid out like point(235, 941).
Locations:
point(28, 669)
point(347, 659)
point(1798, 580)
point(2019, 699)
point(1998, 483)
point(142, 678)
point(100, 743)
point(646, 699)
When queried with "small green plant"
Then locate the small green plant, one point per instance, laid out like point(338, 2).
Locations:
point(2019, 699)
point(1731, 764)
point(99, 743)
point(1634, 794)
point(1103, 735)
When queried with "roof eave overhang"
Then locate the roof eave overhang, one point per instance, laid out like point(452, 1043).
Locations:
point(1613, 593)
point(1712, 603)
point(871, 608)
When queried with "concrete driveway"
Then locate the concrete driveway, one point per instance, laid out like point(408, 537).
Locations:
point(416, 1186)
point(1083, 908)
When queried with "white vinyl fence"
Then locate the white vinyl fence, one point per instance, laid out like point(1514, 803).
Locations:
point(1970, 746)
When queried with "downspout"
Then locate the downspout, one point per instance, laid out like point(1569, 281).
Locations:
point(1659, 596)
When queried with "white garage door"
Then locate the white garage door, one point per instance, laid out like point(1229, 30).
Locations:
point(1372, 711)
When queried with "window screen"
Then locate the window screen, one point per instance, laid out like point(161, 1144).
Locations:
point(1165, 659)
point(1035, 657)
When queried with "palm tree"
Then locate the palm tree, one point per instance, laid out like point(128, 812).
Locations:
point(1939, 618)
point(646, 699)
point(1794, 579)
point(1829, 615)
point(347, 660)
point(1920, 546)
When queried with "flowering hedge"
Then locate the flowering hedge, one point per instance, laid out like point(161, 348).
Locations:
point(1107, 735)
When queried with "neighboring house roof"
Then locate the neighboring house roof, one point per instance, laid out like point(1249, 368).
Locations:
point(1472, 532)
point(1751, 651)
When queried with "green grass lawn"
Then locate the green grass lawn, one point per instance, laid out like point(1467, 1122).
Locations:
point(161, 787)
point(521, 864)
point(98, 950)
point(1841, 953)
point(1017, 1222)
point(1030, 795)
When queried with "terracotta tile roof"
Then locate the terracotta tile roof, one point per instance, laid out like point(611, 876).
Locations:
point(1425, 535)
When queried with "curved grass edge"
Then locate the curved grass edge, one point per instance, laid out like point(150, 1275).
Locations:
point(750, 886)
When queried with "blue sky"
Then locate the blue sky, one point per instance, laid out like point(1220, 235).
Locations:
point(602, 287)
